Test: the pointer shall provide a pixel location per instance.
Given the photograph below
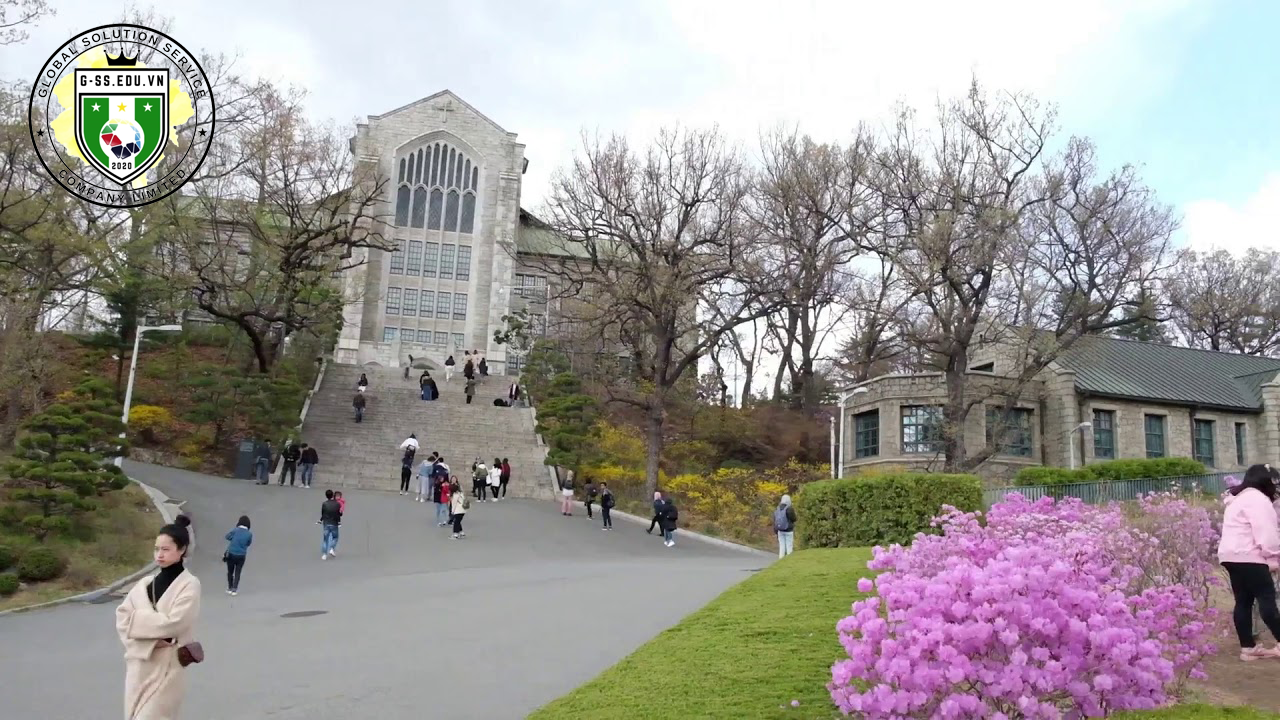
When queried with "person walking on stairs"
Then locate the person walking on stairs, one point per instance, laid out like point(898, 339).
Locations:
point(669, 518)
point(330, 519)
point(310, 458)
point(513, 393)
point(484, 368)
point(410, 444)
point(657, 511)
point(479, 479)
point(505, 476)
point(784, 523)
point(291, 455)
point(422, 384)
point(566, 495)
point(362, 383)
point(458, 505)
point(358, 403)
point(495, 479)
point(591, 491)
point(238, 542)
point(449, 364)
point(406, 473)
point(425, 470)
point(471, 389)
point(606, 504)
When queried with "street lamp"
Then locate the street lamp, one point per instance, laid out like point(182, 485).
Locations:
point(837, 471)
point(133, 369)
point(1071, 441)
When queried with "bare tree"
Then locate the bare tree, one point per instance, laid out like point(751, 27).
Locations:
point(876, 324)
point(655, 249)
point(1222, 302)
point(15, 14)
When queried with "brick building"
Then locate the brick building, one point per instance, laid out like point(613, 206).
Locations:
point(1140, 400)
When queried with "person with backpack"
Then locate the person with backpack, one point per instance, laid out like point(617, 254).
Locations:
point(657, 511)
point(591, 491)
point(358, 403)
point(479, 479)
point(449, 364)
point(505, 476)
point(784, 523)
point(291, 455)
point(566, 495)
point(495, 479)
point(606, 504)
point(310, 458)
point(459, 504)
point(670, 516)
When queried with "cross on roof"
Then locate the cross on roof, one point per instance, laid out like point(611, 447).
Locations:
point(444, 112)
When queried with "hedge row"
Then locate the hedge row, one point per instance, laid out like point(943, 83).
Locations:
point(1112, 470)
point(879, 509)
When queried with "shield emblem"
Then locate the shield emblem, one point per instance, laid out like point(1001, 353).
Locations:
point(122, 119)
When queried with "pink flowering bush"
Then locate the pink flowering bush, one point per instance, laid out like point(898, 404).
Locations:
point(1039, 610)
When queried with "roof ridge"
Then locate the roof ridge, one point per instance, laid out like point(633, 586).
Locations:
point(1185, 348)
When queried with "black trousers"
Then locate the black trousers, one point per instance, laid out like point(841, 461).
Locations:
point(655, 522)
point(478, 489)
point(457, 522)
point(588, 504)
point(1250, 583)
point(290, 469)
point(235, 563)
point(604, 513)
point(405, 475)
point(502, 485)
point(468, 399)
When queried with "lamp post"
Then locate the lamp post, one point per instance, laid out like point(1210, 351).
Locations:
point(133, 369)
point(837, 470)
point(1071, 441)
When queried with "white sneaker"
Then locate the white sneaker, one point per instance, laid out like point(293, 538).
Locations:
point(233, 593)
point(230, 593)
point(324, 556)
point(333, 553)
point(453, 536)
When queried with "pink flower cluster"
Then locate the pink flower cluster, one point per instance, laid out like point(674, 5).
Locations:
point(1038, 610)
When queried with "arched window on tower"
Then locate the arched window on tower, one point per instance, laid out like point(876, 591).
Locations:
point(435, 210)
point(417, 173)
point(466, 176)
point(419, 206)
point(401, 178)
point(468, 213)
point(448, 173)
point(408, 176)
point(451, 212)
point(435, 164)
point(402, 205)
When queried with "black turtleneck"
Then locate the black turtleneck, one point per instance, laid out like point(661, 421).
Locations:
point(163, 580)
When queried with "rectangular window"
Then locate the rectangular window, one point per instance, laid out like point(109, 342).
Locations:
point(458, 339)
point(393, 301)
point(446, 262)
point(442, 338)
point(410, 302)
point(424, 337)
point(1202, 441)
point(921, 428)
point(428, 304)
point(514, 364)
point(443, 302)
point(1104, 434)
point(538, 325)
point(415, 258)
point(430, 260)
point(866, 434)
point(388, 334)
point(1010, 434)
point(1240, 443)
point(464, 262)
point(1154, 426)
point(459, 306)
point(532, 287)
point(397, 260)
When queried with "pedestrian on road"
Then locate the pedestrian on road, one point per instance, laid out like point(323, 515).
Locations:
point(784, 522)
point(479, 479)
point(291, 455)
point(591, 491)
point(238, 542)
point(446, 499)
point(358, 403)
point(505, 477)
point(471, 389)
point(310, 458)
point(669, 518)
point(406, 472)
point(449, 364)
point(424, 477)
point(458, 505)
point(262, 463)
point(606, 504)
point(657, 511)
point(330, 520)
point(495, 479)
point(156, 624)
point(566, 495)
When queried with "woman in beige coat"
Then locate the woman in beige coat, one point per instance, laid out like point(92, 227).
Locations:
point(156, 618)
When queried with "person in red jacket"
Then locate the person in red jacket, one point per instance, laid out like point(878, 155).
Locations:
point(505, 477)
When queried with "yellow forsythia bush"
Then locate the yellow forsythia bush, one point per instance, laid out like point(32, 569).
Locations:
point(150, 420)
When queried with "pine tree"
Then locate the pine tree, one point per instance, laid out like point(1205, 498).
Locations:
point(1146, 325)
point(63, 459)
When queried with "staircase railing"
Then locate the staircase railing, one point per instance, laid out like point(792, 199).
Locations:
point(302, 416)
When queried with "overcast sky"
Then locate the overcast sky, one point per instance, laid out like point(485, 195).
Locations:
point(1186, 89)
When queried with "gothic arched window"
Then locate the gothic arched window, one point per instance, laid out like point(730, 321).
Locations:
point(408, 176)
point(417, 174)
point(434, 212)
point(402, 205)
point(435, 163)
point(466, 176)
point(401, 179)
point(468, 213)
point(451, 212)
point(419, 206)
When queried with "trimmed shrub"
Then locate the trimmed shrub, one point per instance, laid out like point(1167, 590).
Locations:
point(8, 584)
point(879, 509)
point(1132, 469)
point(41, 564)
point(1048, 476)
point(150, 421)
point(8, 557)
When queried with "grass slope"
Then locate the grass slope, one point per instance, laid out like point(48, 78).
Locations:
point(760, 645)
point(1198, 712)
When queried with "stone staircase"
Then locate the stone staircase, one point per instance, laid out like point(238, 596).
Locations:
point(366, 455)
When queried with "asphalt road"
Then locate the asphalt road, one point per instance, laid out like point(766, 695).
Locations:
point(408, 622)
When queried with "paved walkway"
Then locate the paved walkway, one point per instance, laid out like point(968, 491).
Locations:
point(530, 605)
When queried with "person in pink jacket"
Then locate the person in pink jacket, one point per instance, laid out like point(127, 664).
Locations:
point(1249, 550)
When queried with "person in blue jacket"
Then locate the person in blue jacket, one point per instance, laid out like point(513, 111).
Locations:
point(238, 542)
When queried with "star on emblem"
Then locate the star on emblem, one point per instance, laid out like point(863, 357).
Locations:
point(40, 133)
point(202, 132)
point(122, 107)
point(96, 107)
point(147, 107)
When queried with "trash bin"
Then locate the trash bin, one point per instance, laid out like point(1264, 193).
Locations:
point(244, 459)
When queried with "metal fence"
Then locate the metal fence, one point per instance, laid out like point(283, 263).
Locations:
point(1097, 493)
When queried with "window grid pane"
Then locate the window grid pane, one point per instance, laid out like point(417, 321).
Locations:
point(1012, 436)
point(424, 337)
point(468, 223)
point(446, 262)
point(419, 207)
point(866, 434)
point(393, 301)
point(459, 306)
point(431, 259)
point(451, 212)
point(464, 262)
point(402, 205)
point(410, 302)
point(921, 428)
point(428, 305)
point(1240, 443)
point(1104, 434)
point(415, 258)
point(1154, 426)
point(388, 335)
point(443, 301)
point(442, 338)
point(458, 339)
point(435, 210)
point(397, 260)
point(1202, 431)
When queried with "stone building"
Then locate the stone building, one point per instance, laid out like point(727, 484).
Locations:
point(1140, 400)
point(453, 212)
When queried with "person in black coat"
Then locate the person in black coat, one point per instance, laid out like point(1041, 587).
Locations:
point(657, 512)
point(291, 455)
point(669, 517)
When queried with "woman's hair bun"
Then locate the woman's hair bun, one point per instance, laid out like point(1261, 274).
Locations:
point(183, 521)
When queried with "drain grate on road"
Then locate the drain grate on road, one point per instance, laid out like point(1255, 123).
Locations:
point(304, 613)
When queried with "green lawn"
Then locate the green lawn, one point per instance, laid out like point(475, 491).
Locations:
point(1198, 712)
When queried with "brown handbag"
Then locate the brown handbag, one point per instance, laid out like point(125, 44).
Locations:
point(190, 653)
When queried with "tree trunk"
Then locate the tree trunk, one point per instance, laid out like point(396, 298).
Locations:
point(953, 413)
point(653, 441)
